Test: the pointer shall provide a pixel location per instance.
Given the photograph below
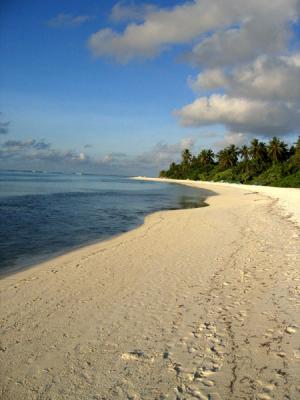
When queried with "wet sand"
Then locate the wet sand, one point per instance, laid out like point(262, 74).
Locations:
point(195, 304)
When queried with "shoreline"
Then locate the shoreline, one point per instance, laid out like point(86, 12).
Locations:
point(195, 303)
point(37, 260)
point(288, 207)
point(288, 198)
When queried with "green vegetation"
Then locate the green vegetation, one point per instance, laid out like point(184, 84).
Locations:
point(271, 164)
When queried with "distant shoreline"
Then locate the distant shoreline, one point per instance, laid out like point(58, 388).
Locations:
point(288, 198)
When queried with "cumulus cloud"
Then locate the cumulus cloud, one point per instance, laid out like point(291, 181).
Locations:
point(124, 11)
point(293, 59)
point(68, 20)
point(262, 97)
point(259, 34)
point(209, 79)
point(267, 78)
point(161, 28)
point(241, 114)
point(243, 29)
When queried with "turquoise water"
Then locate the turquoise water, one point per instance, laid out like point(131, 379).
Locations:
point(44, 214)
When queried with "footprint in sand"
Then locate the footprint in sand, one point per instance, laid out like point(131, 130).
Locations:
point(137, 355)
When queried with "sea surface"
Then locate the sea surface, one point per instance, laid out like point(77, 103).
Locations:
point(44, 214)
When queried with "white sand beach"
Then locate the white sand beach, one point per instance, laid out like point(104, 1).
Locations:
point(194, 304)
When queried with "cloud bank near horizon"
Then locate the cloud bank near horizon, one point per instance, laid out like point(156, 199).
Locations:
point(35, 154)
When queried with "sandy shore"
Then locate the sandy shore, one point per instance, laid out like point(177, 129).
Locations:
point(288, 199)
point(194, 304)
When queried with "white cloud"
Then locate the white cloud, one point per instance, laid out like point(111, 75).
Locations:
point(293, 59)
point(210, 79)
point(270, 79)
point(241, 114)
point(242, 29)
point(163, 27)
point(258, 34)
point(262, 97)
point(267, 78)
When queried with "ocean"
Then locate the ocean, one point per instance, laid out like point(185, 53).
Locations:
point(44, 214)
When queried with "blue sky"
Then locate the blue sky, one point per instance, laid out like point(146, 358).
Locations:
point(110, 87)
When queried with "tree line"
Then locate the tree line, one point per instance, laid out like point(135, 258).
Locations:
point(272, 164)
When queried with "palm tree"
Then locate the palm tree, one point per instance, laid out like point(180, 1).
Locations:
point(186, 157)
point(297, 146)
point(228, 157)
point(234, 151)
point(277, 150)
point(291, 151)
point(262, 152)
point(254, 163)
point(296, 156)
point(258, 151)
point(210, 156)
point(206, 157)
point(186, 162)
point(254, 148)
point(224, 158)
point(245, 153)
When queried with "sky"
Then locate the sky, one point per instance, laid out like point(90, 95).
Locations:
point(123, 87)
